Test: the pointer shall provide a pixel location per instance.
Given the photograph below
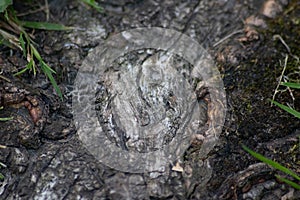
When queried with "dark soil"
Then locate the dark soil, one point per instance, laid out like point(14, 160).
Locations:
point(58, 166)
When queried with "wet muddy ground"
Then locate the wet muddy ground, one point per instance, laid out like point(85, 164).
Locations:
point(45, 160)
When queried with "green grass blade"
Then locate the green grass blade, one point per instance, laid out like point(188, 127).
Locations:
point(272, 163)
point(28, 67)
point(2, 119)
point(6, 15)
point(22, 42)
point(4, 4)
point(48, 73)
point(289, 182)
point(35, 52)
point(1, 177)
point(94, 5)
point(2, 164)
point(287, 109)
point(292, 85)
point(45, 26)
point(6, 42)
point(21, 72)
point(47, 67)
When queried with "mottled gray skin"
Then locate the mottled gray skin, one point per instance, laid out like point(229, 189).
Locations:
point(142, 103)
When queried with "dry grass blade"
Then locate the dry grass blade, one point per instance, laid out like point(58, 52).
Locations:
point(11, 39)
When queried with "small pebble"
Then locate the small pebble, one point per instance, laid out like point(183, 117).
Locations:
point(271, 9)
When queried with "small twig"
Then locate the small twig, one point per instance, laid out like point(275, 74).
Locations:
point(5, 78)
point(285, 45)
point(7, 27)
point(31, 12)
point(13, 22)
point(283, 42)
point(280, 78)
point(47, 10)
point(2, 164)
point(285, 64)
point(291, 93)
point(227, 37)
